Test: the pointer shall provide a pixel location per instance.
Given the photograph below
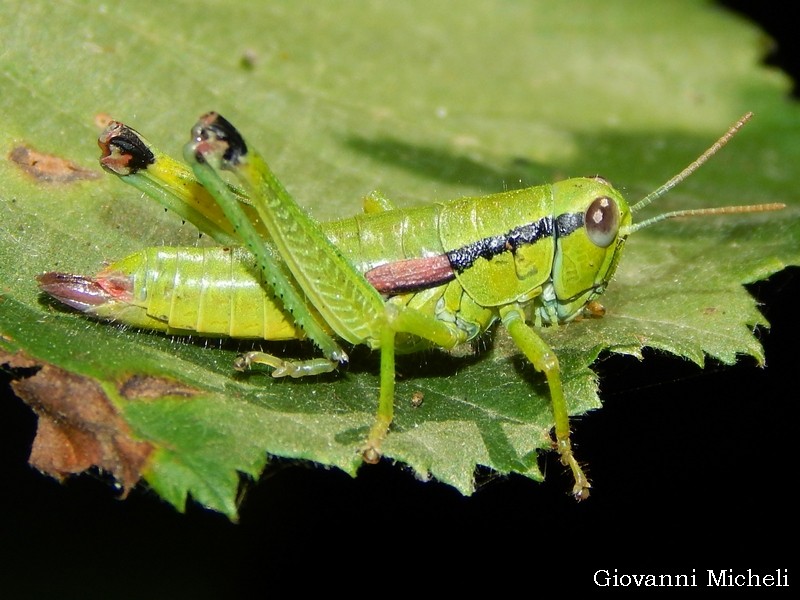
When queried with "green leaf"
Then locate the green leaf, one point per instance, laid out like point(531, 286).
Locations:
point(424, 103)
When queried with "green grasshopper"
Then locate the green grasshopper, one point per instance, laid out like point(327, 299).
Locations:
point(394, 280)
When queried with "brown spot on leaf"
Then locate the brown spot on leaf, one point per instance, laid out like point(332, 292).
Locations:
point(48, 167)
point(249, 59)
point(102, 120)
point(143, 387)
point(79, 428)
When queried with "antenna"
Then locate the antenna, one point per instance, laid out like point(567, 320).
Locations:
point(694, 212)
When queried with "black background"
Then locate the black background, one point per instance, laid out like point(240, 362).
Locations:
point(692, 469)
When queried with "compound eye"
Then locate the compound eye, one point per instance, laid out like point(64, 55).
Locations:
point(602, 221)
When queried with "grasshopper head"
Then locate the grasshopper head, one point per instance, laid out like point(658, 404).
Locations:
point(591, 217)
point(597, 221)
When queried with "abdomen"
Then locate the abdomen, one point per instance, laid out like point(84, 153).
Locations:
point(213, 291)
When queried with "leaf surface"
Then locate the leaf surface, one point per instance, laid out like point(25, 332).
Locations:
point(424, 103)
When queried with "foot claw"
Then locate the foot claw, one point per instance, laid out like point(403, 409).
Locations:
point(580, 491)
point(371, 454)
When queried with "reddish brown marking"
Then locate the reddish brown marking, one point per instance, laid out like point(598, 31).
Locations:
point(102, 120)
point(410, 275)
point(48, 167)
point(116, 162)
point(125, 151)
point(85, 293)
point(77, 291)
point(112, 130)
point(119, 287)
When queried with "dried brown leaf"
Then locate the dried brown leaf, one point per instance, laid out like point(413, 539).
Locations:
point(79, 428)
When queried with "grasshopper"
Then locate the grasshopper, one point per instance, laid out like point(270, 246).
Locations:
point(394, 280)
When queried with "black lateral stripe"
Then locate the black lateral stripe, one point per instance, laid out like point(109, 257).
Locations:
point(568, 223)
point(464, 257)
